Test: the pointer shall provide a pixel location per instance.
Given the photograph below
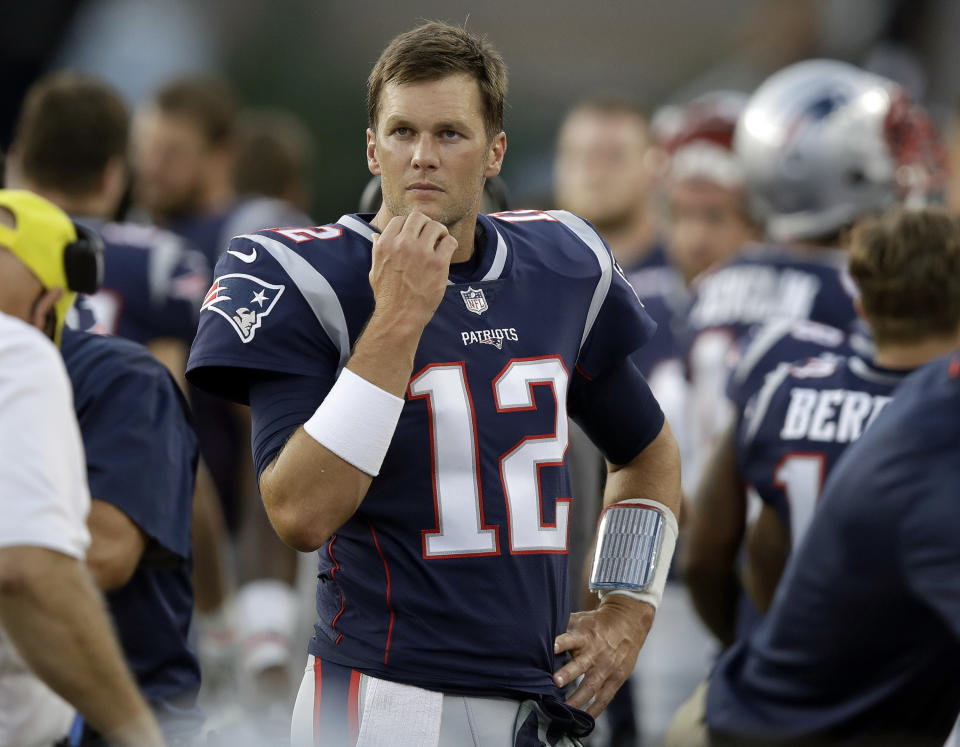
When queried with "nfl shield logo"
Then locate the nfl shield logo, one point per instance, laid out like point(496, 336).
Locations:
point(474, 300)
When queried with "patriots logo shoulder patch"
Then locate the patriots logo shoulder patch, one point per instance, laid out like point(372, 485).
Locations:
point(243, 300)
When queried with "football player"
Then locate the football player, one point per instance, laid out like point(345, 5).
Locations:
point(822, 143)
point(898, 158)
point(862, 640)
point(71, 147)
point(807, 413)
point(409, 375)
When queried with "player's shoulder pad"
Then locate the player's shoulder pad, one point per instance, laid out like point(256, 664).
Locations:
point(104, 360)
point(782, 340)
point(569, 234)
point(140, 236)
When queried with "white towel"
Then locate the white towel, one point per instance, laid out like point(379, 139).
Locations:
point(396, 715)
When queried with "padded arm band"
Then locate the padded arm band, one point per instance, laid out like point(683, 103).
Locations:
point(635, 543)
point(356, 421)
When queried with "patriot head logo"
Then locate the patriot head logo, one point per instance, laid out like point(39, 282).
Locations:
point(243, 300)
point(474, 300)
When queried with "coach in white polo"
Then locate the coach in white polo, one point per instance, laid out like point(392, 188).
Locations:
point(54, 633)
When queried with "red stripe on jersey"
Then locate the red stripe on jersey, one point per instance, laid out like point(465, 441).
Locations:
point(317, 697)
point(386, 570)
point(353, 706)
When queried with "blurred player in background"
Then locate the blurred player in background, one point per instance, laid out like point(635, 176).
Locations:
point(274, 157)
point(71, 147)
point(51, 613)
point(856, 146)
point(185, 154)
point(442, 588)
point(822, 143)
point(862, 642)
point(809, 412)
point(708, 222)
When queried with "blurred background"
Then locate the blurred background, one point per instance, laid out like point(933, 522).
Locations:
point(312, 58)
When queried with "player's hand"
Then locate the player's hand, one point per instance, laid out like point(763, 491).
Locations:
point(411, 263)
point(604, 644)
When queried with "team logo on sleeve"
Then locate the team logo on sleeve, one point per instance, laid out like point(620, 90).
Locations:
point(474, 300)
point(243, 300)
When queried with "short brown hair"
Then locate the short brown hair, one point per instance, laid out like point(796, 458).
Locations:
point(274, 153)
point(436, 50)
point(906, 264)
point(208, 102)
point(70, 127)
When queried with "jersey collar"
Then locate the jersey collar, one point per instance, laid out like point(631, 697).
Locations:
point(494, 251)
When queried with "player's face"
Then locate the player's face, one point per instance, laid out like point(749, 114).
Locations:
point(169, 155)
point(708, 225)
point(431, 149)
point(600, 170)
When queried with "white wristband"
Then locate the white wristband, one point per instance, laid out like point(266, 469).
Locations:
point(356, 421)
point(652, 592)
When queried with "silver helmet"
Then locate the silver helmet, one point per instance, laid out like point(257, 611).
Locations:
point(823, 143)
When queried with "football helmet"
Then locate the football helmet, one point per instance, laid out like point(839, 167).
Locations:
point(697, 138)
point(823, 143)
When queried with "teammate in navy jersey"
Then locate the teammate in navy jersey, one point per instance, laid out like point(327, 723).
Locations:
point(141, 455)
point(802, 428)
point(441, 518)
point(813, 167)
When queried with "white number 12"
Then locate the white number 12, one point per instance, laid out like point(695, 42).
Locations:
point(461, 530)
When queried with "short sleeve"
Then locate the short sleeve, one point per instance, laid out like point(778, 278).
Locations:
point(255, 318)
point(618, 412)
point(617, 323)
point(44, 499)
point(141, 448)
point(279, 404)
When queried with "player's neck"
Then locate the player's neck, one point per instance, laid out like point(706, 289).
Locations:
point(912, 355)
point(632, 240)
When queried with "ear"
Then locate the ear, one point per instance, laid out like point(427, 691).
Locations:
point(372, 163)
point(43, 308)
point(495, 156)
point(858, 307)
point(114, 180)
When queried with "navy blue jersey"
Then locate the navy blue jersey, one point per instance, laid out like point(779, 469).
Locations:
point(152, 285)
point(141, 457)
point(862, 642)
point(464, 587)
point(770, 282)
point(805, 416)
point(211, 232)
point(784, 341)
point(665, 297)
